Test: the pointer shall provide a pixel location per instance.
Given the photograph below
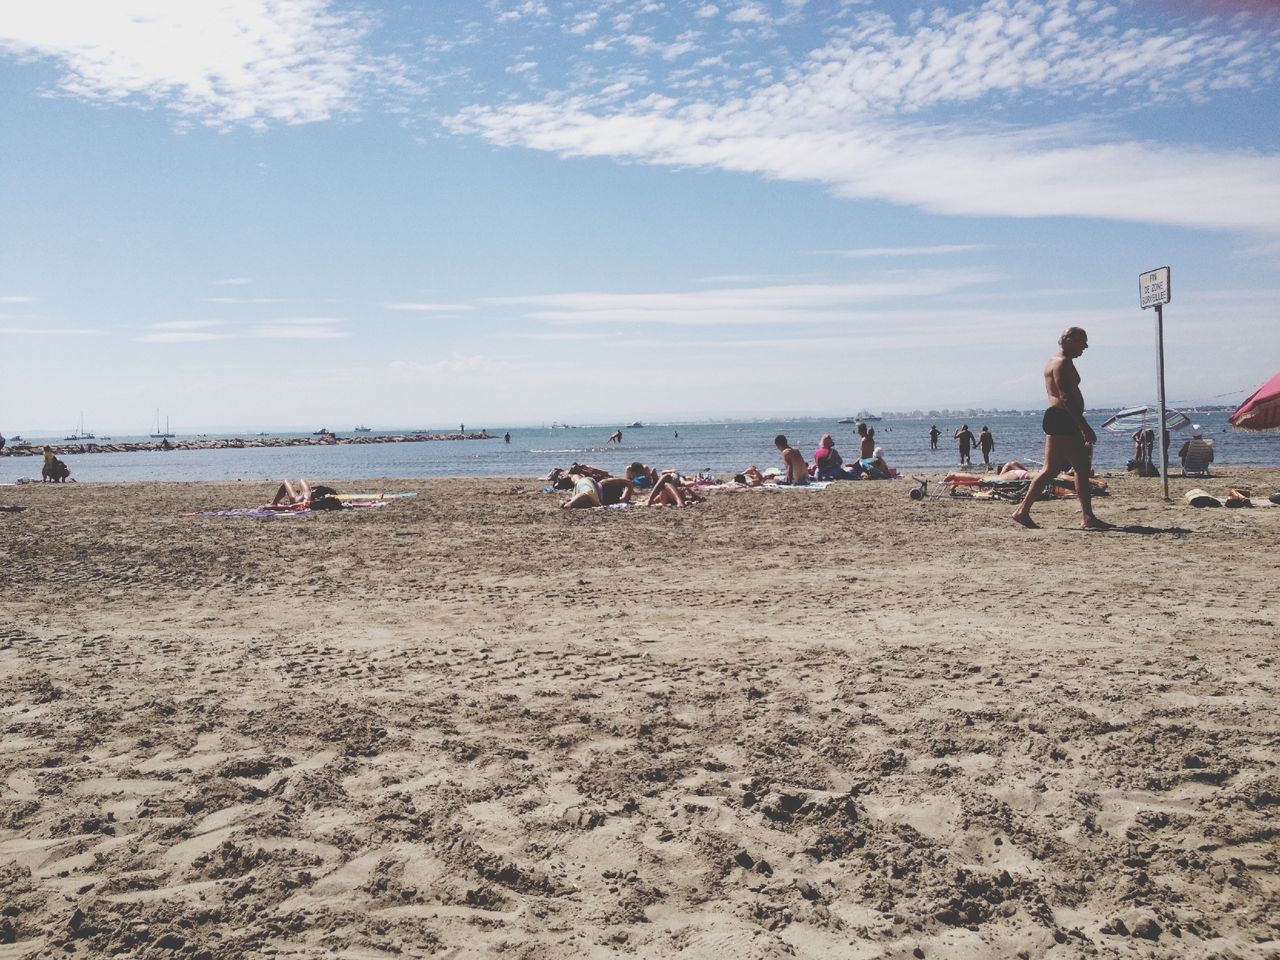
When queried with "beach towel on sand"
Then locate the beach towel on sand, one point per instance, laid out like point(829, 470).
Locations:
point(1202, 498)
point(281, 511)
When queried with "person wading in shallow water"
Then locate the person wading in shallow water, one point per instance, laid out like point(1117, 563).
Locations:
point(1068, 436)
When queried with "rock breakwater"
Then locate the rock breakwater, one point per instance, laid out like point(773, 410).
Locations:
point(234, 443)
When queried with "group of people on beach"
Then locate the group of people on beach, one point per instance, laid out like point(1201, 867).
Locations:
point(593, 487)
point(827, 463)
point(1069, 442)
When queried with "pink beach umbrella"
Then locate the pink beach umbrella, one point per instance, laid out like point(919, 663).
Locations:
point(1262, 410)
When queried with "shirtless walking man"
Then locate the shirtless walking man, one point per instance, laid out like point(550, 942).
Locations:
point(1068, 437)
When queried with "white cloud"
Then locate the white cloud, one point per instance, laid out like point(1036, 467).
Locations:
point(706, 10)
point(749, 12)
point(223, 62)
point(17, 299)
point(852, 117)
point(48, 331)
point(926, 251)
point(524, 10)
point(301, 328)
point(454, 366)
point(243, 300)
point(181, 336)
point(428, 307)
point(186, 324)
point(781, 305)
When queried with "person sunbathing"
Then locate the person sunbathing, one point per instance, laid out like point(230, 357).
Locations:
point(586, 492)
point(1013, 470)
point(596, 473)
point(752, 477)
point(641, 476)
point(670, 490)
point(305, 497)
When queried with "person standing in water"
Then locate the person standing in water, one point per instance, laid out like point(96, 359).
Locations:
point(964, 436)
point(986, 443)
point(934, 434)
point(1068, 436)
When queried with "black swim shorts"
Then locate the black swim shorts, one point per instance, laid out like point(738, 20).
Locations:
point(1058, 423)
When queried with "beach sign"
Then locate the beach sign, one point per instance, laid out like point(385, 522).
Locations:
point(1154, 288)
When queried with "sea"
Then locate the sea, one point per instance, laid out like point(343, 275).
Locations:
point(723, 447)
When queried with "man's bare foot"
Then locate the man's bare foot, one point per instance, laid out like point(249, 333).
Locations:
point(1025, 521)
point(1093, 523)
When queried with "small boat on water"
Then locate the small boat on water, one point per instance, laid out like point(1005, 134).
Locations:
point(636, 426)
point(361, 428)
point(322, 432)
point(80, 433)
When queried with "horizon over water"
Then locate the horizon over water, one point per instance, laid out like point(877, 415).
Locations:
point(725, 447)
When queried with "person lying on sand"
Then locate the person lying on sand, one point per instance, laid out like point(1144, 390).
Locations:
point(670, 490)
point(752, 477)
point(582, 469)
point(586, 492)
point(306, 497)
point(590, 492)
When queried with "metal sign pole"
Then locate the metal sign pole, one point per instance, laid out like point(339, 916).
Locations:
point(1164, 433)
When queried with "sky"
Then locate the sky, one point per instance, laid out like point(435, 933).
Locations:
point(301, 213)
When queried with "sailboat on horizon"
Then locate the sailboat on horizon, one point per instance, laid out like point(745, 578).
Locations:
point(79, 433)
point(158, 435)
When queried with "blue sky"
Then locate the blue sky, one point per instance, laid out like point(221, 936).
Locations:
point(304, 213)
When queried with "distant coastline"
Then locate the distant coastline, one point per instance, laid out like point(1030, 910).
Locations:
point(235, 443)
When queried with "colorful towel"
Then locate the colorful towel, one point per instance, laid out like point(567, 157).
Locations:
point(282, 511)
point(251, 512)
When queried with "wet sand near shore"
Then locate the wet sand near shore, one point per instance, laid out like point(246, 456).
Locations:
point(811, 724)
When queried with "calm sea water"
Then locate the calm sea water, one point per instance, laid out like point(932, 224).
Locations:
point(723, 447)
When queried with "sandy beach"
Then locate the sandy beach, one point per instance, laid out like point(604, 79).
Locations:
point(807, 724)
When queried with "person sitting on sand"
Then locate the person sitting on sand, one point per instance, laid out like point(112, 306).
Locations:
point(875, 465)
point(751, 477)
point(641, 476)
point(615, 490)
point(1197, 443)
point(828, 464)
point(53, 469)
point(866, 442)
point(797, 471)
point(670, 490)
